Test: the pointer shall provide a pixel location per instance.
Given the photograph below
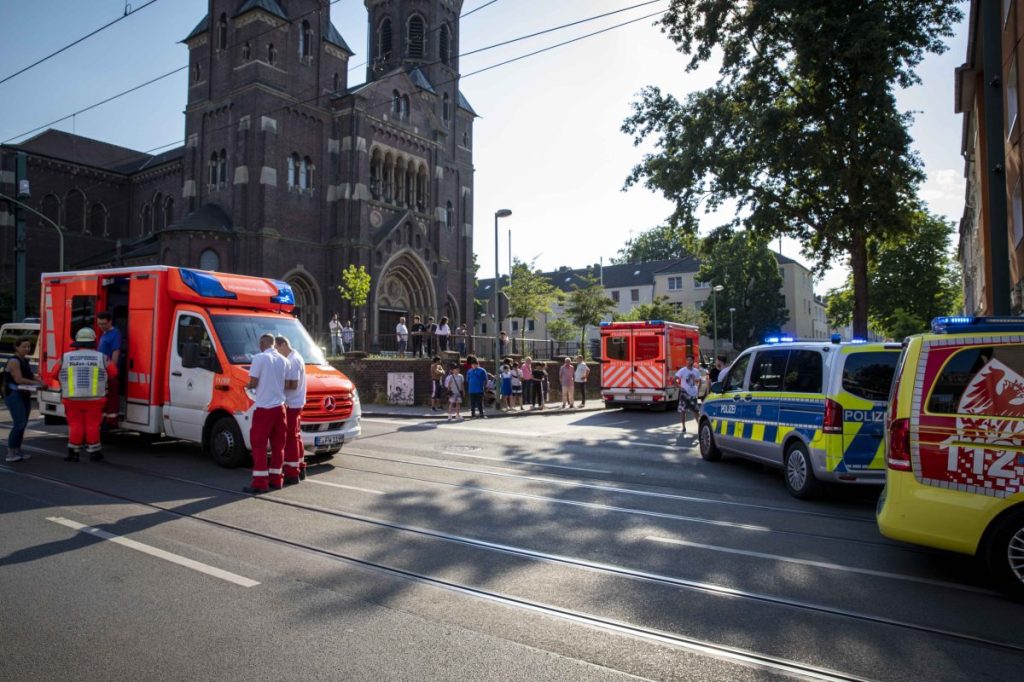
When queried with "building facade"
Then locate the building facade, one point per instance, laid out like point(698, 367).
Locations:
point(286, 171)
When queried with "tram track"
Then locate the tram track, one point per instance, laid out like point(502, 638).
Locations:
point(706, 588)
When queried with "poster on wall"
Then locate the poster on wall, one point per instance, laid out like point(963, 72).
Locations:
point(400, 388)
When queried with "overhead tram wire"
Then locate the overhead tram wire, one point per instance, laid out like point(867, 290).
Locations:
point(387, 101)
point(76, 42)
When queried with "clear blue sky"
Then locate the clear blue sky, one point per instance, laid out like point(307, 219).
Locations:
point(547, 144)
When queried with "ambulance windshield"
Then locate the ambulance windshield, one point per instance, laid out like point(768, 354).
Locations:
point(240, 335)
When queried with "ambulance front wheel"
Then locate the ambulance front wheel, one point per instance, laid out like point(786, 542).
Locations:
point(226, 445)
point(800, 480)
point(1004, 553)
point(708, 449)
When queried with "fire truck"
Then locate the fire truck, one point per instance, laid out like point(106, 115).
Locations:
point(639, 361)
point(189, 337)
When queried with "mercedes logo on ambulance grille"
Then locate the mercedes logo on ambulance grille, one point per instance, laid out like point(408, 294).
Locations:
point(329, 404)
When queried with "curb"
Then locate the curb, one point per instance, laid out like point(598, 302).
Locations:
point(547, 412)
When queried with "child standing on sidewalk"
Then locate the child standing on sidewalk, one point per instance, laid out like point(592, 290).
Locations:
point(455, 383)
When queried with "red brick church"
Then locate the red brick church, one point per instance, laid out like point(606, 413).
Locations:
point(286, 171)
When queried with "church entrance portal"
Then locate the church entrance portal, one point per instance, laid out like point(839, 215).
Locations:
point(405, 289)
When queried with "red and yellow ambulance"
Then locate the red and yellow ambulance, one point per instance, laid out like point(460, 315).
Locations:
point(639, 360)
point(188, 340)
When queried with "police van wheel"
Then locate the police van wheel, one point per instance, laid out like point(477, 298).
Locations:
point(708, 449)
point(226, 445)
point(800, 480)
point(1004, 554)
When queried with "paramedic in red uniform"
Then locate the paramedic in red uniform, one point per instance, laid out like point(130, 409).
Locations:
point(110, 346)
point(295, 399)
point(83, 385)
point(266, 380)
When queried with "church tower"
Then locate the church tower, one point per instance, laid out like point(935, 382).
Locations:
point(409, 34)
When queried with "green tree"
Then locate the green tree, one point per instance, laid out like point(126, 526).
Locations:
point(659, 243)
point(661, 308)
point(801, 130)
point(561, 330)
point(586, 305)
point(919, 275)
point(529, 294)
point(742, 263)
point(355, 288)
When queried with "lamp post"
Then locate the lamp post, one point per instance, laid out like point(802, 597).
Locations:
point(60, 230)
point(501, 213)
point(714, 307)
point(732, 338)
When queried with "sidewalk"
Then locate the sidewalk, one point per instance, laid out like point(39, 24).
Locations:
point(424, 411)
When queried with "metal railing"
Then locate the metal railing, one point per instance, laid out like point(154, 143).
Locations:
point(481, 346)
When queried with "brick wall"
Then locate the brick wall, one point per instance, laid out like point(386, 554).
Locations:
point(371, 377)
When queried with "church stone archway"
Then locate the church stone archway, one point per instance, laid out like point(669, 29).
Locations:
point(405, 288)
point(308, 302)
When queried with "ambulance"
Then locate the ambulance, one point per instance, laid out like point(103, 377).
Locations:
point(189, 337)
point(639, 361)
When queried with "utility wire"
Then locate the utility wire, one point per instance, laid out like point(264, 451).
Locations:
point(76, 42)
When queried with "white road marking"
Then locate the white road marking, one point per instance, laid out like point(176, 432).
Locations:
point(158, 553)
point(536, 464)
point(818, 564)
point(346, 487)
point(639, 444)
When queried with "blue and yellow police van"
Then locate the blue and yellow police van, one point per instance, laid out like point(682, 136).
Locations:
point(815, 409)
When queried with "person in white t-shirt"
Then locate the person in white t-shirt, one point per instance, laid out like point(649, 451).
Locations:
point(294, 401)
point(688, 379)
point(580, 376)
point(266, 383)
point(402, 334)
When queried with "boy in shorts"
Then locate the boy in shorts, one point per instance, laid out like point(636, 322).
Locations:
point(688, 379)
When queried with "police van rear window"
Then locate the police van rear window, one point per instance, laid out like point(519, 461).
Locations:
point(994, 375)
point(869, 375)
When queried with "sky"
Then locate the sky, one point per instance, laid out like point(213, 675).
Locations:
point(547, 145)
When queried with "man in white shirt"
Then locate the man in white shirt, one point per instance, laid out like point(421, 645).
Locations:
point(294, 401)
point(402, 334)
point(688, 379)
point(266, 383)
point(580, 377)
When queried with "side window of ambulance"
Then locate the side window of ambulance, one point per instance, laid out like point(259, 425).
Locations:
point(768, 369)
point(981, 380)
point(803, 373)
point(192, 332)
point(616, 348)
point(646, 348)
point(734, 380)
point(83, 311)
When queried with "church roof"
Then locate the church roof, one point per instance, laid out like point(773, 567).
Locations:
point(66, 146)
point(464, 104)
point(202, 27)
point(334, 38)
point(421, 81)
point(206, 218)
point(271, 6)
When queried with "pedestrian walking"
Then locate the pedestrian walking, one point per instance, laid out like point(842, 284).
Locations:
point(566, 377)
point(476, 384)
point(437, 377)
point(84, 373)
point(527, 370)
point(335, 327)
point(110, 346)
point(517, 385)
point(17, 383)
point(416, 332)
point(402, 336)
point(455, 384)
point(269, 421)
point(294, 469)
point(348, 337)
point(539, 385)
point(580, 377)
point(688, 379)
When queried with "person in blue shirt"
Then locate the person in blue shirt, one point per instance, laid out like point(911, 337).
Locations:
point(110, 346)
point(476, 384)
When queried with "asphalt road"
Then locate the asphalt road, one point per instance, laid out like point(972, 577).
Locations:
point(560, 546)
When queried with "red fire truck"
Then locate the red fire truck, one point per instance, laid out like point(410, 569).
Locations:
point(639, 361)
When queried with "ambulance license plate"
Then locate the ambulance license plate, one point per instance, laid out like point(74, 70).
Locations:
point(633, 397)
point(320, 441)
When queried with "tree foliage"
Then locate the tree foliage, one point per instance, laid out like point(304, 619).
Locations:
point(802, 128)
point(916, 278)
point(659, 243)
point(587, 305)
point(355, 285)
point(529, 294)
point(661, 308)
point(561, 330)
point(742, 263)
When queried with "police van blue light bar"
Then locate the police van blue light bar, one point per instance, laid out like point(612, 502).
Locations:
point(970, 323)
point(205, 284)
point(778, 339)
point(858, 341)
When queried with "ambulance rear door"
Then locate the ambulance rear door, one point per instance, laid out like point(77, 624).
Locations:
point(617, 368)
point(649, 359)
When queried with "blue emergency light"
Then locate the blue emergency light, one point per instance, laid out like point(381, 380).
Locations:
point(971, 323)
point(285, 295)
point(858, 341)
point(779, 339)
point(205, 284)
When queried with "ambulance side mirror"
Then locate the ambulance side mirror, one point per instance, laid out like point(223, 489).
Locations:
point(716, 387)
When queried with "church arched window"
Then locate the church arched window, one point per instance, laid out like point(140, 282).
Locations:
point(222, 32)
point(214, 160)
point(384, 41)
point(168, 211)
point(306, 41)
point(98, 219)
point(222, 168)
point(246, 51)
point(416, 35)
point(405, 108)
point(337, 83)
point(293, 169)
point(74, 216)
point(396, 104)
point(197, 73)
point(158, 215)
point(445, 45)
point(449, 216)
point(376, 173)
point(446, 110)
point(271, 54)
point(147, 219)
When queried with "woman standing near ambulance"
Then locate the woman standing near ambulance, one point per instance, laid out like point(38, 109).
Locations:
point(18, 373)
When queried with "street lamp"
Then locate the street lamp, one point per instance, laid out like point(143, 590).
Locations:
point(714, 306)
point(732, 339)
point(501, 213)
point(60, 230)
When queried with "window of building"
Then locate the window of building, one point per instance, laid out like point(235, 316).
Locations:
point(515, 325)
point(246, 50)
point(214, 160)
point(449, 216)
point(697, 284)
point(222, 167)
point(98, 219)
point(303, 171)
point(306, 41)
point(634, 295)
point(222, 32)
point(271, 54)
point(531, 325)
point(396, 104)
point(147, 219)
point(209, 260)
point(168, 211)
point(384, 40)
point(615, 296)
point(158, 211)
point(445, 47)
point(307, 168)
point(699, 305)
point(1018, 215)
point(336, 82)
point(293, 170)
point(197, 73)
point(416, 35)
point(446, 110)
point(404, 114)
point(675, 283)
point(483, 328)
point(1011, 98)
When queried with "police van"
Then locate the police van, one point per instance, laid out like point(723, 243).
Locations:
point(816, 409)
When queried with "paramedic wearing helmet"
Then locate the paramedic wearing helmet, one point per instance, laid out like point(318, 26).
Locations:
point(83, 384)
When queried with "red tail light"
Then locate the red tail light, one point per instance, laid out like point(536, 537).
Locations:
point(833, 417)
point(899, 445)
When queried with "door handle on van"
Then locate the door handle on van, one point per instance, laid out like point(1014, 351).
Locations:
point(748, 397)
point(175, 374)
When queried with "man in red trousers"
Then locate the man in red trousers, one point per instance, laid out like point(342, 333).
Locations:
point(295, 400)
point(266, 381)
point(83, 384)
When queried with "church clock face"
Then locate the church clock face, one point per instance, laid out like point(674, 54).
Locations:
point(376, 218)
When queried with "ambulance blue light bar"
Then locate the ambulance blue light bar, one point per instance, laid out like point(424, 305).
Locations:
point(285, 295)
point(205, 284)
point(970, 323)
